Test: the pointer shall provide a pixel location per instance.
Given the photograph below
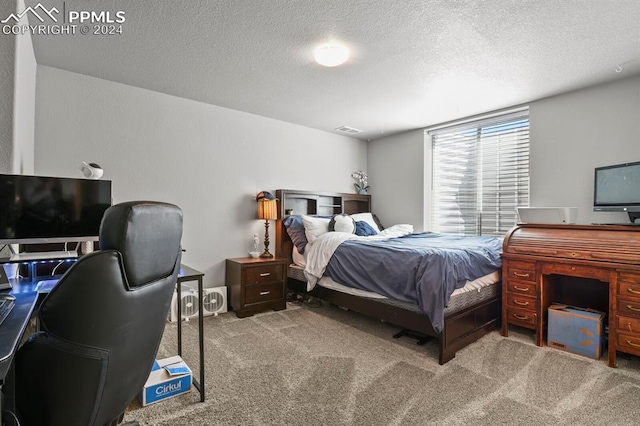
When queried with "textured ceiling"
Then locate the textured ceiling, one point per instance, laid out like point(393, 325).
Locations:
point(413, 63)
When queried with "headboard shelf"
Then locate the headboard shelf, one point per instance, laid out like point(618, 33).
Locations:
point(313, 203)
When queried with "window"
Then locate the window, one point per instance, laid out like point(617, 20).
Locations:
point(480, 174)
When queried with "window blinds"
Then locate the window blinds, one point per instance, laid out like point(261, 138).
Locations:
point(480, 174)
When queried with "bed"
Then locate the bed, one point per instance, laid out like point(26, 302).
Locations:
point(472, 311)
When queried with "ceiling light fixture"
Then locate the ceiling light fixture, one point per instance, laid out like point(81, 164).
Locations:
point(331, 54)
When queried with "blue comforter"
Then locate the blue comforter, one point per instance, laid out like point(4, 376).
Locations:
point(422, 268)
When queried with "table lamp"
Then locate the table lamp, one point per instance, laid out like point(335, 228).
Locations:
point(267, 210)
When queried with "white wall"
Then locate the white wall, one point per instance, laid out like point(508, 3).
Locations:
point(210, 161)
point(571, 134)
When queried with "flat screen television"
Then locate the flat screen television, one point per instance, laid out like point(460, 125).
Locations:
point(617, 189)
point(41, 209)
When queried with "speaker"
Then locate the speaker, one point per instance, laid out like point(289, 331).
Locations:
point(214, 302)
point(552, 215)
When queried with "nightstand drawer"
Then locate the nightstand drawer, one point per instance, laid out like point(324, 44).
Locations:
point(264, 292)
point(256, 284)
point(264, 274)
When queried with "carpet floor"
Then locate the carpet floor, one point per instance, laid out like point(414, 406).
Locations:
point(325, 366)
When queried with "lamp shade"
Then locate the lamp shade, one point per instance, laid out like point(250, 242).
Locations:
point(265, 195)
point(267, 209)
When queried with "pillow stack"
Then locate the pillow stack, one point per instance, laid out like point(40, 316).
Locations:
point(305, 229)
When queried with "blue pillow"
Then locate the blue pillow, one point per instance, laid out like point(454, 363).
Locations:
point(363, 229)
point(295, 229)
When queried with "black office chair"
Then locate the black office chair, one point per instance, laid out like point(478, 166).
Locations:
point(102, 324)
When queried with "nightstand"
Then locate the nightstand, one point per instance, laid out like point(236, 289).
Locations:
point(256, 284)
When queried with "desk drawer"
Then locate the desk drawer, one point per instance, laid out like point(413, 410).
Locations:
point(600, 274)
point(629, 343)
point(521, 287)
point(629, 307)
point(521, 302)
point(629, 277)
point(264, 292)
point(521, 270)
point(264, 274)
point(522, 317)
point(630, 290)
point(629, 325)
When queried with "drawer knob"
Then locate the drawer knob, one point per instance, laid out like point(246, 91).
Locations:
point(265, 274)
point(515, 287)
point(630, 343)
point(632, 308)
point(517, 302)
point(519, 275)
point(264, 293)
point(630, 290)
point(521, 317)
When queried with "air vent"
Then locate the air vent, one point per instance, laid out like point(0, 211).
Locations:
point(347, 129)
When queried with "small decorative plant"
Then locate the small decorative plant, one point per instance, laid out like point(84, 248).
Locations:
point(361, 186)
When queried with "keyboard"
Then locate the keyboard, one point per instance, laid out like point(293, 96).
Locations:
point(6, 305)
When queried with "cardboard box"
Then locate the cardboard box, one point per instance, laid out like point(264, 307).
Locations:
point(576, 330)
point(169, 377)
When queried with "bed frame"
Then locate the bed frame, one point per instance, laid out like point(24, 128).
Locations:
point(461, 328)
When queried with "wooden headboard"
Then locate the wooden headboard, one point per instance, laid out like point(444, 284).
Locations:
point(313, 203)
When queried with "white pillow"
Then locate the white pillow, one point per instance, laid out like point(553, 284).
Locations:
point(314, 227)
point(342, 223)
point(366, 217)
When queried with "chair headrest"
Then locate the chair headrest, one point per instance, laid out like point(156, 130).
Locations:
point(147, 234)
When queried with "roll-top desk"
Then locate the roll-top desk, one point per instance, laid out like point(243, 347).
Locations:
point(592, 266)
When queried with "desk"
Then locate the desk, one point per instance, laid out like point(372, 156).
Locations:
point(602, 264)
point(189, 274)
point(11, 332)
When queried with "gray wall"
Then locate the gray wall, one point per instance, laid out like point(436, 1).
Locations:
point(396, 177)
point(24, 104)
point(571, 134)
point(17, 98)
point(211, 161)
point(7, 70)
